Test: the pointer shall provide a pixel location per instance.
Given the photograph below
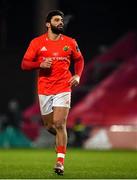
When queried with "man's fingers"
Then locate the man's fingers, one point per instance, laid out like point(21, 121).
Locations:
point(73, 82)
point(48, 60)
point(46, 64)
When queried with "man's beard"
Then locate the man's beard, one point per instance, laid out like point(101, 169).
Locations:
point(57, 30)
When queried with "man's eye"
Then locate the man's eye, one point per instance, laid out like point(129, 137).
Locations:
point(56, 19)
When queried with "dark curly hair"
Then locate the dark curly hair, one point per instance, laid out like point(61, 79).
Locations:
point(54, 13)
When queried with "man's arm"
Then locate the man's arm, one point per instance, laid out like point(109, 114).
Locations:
point(79, 65)
point(30, 65)
point(78, 68)
point(29, 61)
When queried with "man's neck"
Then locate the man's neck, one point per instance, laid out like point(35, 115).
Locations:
point(52, 36)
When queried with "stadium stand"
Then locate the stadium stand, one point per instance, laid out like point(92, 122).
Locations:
point(113, 100)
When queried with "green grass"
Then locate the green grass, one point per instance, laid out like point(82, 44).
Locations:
point(38, 164)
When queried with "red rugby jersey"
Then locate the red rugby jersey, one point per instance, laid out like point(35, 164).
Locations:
point(55, 79)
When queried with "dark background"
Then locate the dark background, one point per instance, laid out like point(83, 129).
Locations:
point(94, 23)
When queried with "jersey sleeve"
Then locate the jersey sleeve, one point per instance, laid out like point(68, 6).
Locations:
point(30, 54)
point(79, 65)
point(78, 58)
point(30, 60)
point(75, 50)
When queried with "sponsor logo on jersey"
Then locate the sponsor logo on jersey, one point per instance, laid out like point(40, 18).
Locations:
point(60, 58)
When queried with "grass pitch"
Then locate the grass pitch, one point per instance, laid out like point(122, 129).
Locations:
point(79, 164)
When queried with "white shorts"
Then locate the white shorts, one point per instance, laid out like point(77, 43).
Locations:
point(47, 102)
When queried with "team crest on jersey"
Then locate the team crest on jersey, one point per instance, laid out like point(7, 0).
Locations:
point(65, 48)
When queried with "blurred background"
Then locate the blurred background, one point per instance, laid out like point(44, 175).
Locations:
point(104, 106)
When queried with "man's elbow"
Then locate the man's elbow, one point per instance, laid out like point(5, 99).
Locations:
point(23, 66)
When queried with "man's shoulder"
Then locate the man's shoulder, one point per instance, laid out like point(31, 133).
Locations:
point(68, 38)
point(38, 38)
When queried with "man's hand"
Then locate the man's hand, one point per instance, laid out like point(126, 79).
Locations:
point(46, 63)
point(74, 81)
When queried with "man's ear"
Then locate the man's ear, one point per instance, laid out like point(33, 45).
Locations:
point(47, 24)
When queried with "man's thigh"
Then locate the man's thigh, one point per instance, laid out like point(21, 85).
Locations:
point(48, 119)
point(60, 114)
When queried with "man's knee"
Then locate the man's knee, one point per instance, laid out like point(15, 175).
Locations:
point(59, 124)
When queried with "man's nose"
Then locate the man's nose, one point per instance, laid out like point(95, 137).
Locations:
point(61, 23)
